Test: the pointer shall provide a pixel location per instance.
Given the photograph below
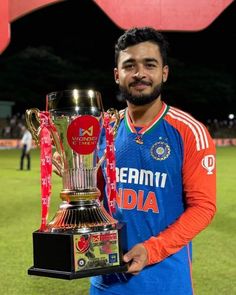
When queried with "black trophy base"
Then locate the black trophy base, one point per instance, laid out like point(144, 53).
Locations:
point(76, 275)
point(71, 256)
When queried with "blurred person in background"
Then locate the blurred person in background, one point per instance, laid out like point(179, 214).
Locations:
point(26, 144)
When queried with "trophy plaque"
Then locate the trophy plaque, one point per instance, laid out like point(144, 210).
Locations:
point(82, 239)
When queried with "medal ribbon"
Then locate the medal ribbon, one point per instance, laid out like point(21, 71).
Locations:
point(111, 165)
point(45, 167)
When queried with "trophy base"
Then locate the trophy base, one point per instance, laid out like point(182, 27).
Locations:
point(72, 255)
point(76, 275)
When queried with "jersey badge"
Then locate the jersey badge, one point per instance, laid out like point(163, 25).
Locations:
point(208, 163)
point(160, 151)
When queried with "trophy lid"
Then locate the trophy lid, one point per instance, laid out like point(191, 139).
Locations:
point(74, 99)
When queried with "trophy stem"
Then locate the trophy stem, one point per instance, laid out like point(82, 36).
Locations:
point(81, 216)
point(79, 195)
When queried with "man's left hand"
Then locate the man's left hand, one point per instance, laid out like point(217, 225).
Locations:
point(137, 258)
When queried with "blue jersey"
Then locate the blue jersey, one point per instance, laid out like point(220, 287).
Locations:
point(152, 183)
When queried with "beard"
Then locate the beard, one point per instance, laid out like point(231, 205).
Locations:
point(141, 99)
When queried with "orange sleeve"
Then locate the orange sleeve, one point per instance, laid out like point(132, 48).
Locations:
point(199, 185)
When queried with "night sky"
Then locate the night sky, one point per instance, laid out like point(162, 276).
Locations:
point(81, 28)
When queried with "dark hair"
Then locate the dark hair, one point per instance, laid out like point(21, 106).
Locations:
point(137, 35)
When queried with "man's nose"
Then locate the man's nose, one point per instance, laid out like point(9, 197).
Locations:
point(139, 72)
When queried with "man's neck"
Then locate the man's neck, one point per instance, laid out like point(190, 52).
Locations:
point(143, 115)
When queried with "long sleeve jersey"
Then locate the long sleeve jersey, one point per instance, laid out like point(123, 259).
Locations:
point(166, 195)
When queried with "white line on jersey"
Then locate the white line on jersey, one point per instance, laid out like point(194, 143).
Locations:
point(194, 125)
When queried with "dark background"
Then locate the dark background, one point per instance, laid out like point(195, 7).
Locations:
point(71, 44)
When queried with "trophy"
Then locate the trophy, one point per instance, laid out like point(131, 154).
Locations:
point(83, 239)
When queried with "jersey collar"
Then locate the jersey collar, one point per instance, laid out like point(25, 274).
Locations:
point(130, 126)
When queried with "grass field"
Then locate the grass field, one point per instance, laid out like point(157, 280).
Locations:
point(214, 267)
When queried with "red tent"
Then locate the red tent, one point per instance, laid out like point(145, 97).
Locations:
point(165, 15)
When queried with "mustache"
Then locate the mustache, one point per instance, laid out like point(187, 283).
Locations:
point(138, 82)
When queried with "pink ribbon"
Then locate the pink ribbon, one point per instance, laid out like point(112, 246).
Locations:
point(45, 167)
point(111, 165)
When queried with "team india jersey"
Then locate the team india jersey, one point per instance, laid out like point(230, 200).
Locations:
point(165, 175)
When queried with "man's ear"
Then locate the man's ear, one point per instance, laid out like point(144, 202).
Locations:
point(116, 76)
point(165, 73)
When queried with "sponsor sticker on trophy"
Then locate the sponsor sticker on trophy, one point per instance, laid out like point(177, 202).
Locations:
point(83, 134)
point(82, 239)
point(96, 250)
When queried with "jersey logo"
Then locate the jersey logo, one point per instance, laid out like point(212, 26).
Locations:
point(160, 151)
point(130, 199)
point(208, 163)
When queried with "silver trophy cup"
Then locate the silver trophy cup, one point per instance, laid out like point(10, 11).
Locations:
point(82, 239)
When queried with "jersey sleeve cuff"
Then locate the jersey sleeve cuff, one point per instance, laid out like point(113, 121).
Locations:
point(156, 251)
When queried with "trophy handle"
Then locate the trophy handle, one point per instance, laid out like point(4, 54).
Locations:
point(114, 114)
point(56, 161)
point(34, 130)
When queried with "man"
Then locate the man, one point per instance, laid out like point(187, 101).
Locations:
point(166, 178)
point(26, 143)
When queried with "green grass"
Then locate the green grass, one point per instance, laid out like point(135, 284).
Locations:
point(20, 216)
point(214, 268)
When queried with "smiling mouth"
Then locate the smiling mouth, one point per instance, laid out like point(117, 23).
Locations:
point(139, 84)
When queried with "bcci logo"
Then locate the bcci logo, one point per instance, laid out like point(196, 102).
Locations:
point(160, 150)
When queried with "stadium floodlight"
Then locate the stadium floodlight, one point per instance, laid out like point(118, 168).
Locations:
point(231, 116)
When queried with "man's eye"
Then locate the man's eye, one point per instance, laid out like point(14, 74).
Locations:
point(128, 66)
point(150, 65)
